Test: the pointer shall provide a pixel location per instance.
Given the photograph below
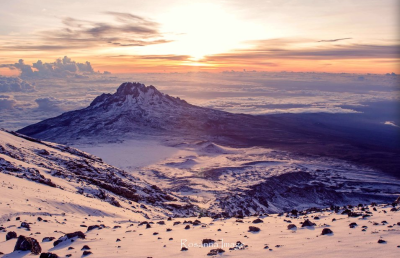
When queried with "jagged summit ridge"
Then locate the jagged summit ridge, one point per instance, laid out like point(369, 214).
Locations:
point(135, 93)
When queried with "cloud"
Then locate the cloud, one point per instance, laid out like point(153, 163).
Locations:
point(156, 57)
point(7, 102)
point(127, 30)
point(48, 104)
point(13, 84)
point(61, 68)
point(265, 53)
point(334, 40)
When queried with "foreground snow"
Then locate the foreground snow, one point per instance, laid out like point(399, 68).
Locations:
point(65, 212)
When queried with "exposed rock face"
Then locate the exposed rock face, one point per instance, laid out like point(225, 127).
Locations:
point(28, 244)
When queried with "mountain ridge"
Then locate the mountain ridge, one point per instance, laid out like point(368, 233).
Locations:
point(134, 107)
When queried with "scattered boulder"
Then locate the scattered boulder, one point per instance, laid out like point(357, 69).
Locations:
point(326, 231)
point(86, 253)
point(169, 229)
point(354, 214)
point(48, 239)
point(93, 227)
point(177, 223)
point(28, 244)
point(184, 249)
point(77, 234)
point(291, 226)
point(48, 255)
point(207, 241)
point(25, 225)
point(216, 251)
point(256, 221)
point(308, 223)
point(161, 222)
point(187, 227)
point(196, 222)
point(254, 229)
point(11, 235)
point(381, 241)
point(353, 225)
point(85, 247)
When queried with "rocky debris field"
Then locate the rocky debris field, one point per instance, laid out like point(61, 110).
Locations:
point(71, 227)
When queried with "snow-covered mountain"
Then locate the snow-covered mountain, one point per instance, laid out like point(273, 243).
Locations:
point(136, 110)
point(75, 171)
point(134, 107)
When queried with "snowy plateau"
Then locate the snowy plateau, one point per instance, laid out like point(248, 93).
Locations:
point(139, 173)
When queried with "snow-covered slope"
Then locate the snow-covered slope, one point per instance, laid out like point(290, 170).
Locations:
point(51, 213)
point(59, 166)
point(247, 181)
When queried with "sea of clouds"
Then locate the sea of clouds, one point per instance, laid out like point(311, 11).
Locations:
point(45, 90)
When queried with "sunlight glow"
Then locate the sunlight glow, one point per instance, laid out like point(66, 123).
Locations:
point(205, 29)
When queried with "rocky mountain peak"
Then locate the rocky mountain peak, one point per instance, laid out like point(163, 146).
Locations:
point(135, 89)
point(135, 93)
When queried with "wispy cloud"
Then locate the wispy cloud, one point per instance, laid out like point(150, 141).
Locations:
point(334, 40)
point(127, 30)
point(155, 57)
point(270, 51)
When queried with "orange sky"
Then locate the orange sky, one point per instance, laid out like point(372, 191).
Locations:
point(123, 36)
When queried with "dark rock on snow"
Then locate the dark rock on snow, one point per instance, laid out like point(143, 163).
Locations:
point(28, 244)
point(11, 235)
point(326, 231)
point(254, 229)
point(77, 234)
point(48, 255)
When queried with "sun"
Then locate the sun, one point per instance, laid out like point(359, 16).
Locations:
point(204, 29)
